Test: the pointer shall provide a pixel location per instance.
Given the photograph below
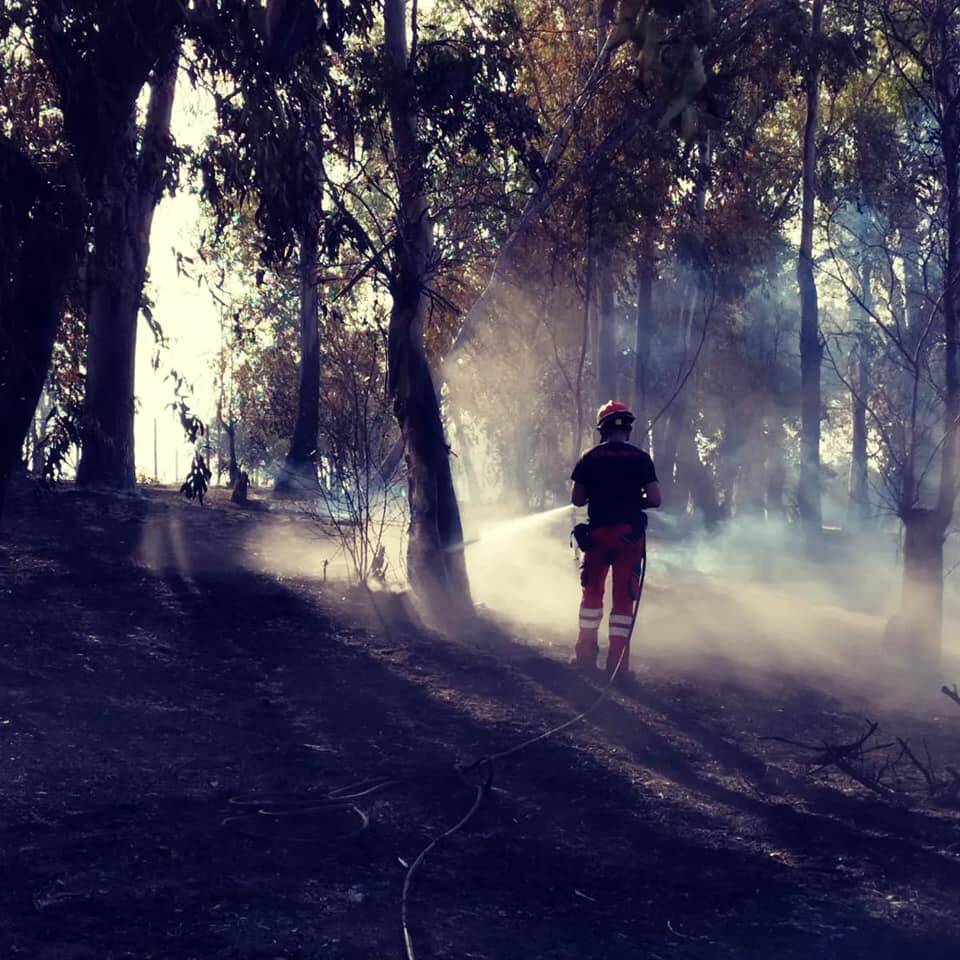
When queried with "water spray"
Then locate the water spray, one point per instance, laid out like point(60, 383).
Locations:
point(508, 527)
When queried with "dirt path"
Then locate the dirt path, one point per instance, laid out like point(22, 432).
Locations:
point(139, 701)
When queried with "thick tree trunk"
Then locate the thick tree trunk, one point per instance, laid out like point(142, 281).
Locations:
point(811, 350)
point(920, 621)
point(917, 627)
point(123, 216)
point(42, 212)
point(950, 457)
point(299, 472)
point(919, 314)
point(115, 283)
point(41, 221)
point(435, 561)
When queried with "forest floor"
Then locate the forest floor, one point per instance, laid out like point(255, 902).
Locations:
point(150, 680)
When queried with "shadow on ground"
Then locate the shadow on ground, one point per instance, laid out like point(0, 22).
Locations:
point(140, 701)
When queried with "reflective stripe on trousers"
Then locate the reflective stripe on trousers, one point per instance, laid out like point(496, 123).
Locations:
point(608, 549)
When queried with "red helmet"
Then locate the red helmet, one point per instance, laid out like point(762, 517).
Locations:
point(614, 414)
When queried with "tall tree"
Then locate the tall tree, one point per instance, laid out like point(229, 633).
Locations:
point(129, 192)
point(289, 104)
point(858, 506)
point(811, 351)
point(94, 58)
point(925, 39)
point(299, 471)
point(435, 560)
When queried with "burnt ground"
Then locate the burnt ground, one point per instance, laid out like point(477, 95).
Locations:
point(140, 702)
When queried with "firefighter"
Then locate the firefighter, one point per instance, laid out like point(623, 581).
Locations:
point(617, 482)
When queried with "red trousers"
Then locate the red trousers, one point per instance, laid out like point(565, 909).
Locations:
point(609, 548)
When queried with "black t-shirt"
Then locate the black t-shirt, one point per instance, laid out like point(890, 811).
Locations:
point(614, 474)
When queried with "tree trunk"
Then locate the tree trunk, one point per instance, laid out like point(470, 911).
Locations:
point(43, 210)
point(811, 351)
point(37, 452)
point(607, 386)
point(41, 221)
point(918, 624)
point(115, 283)
point(918, 317)
point(776, 467)
point(731, 454)
point(925, 530)
point(858, 507)
point(435, 561)
point(695, 481)
point(299, 472)
point(233, 467)
point(464, 454)
point(950, 457)
point(914, 287)
point(646, 274)
point(123, 216)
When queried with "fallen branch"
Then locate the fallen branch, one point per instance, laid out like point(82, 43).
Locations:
point(850, 760)
point(940, 790)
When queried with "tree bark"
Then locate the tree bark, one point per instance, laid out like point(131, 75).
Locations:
point(299, 472)
point(646, 275)
point(43, 210)
point(435, 561)
point(950, 458)
point(695, 481)
point(41, 230)
point(858, 506)
point(463, 451)
point(776, 467)
point(37, 453)
point(921, 608)
point(233, 467)
point(925, 530)
point(811, 350)
point(606, 332)
point(123, 215)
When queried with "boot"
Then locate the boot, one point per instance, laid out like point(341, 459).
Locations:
point(587, 650)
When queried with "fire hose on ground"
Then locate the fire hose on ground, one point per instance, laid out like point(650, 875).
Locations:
point(485, 768)
point(254, 809)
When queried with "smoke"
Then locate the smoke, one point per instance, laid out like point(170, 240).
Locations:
point(524, 571)
point(747, 601)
